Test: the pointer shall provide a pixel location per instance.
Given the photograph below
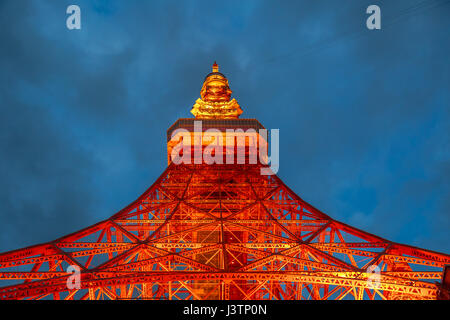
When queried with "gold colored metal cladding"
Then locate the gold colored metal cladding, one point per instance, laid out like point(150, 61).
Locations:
point(215, 101)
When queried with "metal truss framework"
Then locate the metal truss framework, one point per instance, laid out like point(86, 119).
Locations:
point(221, 232)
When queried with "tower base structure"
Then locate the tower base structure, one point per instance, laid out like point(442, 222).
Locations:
point(221, 232)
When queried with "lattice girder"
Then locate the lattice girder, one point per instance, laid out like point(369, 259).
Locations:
point(221, 232)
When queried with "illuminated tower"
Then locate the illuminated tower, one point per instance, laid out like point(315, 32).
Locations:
point(221, 230)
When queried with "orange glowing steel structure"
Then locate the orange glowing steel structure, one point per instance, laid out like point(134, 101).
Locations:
point(221, 231)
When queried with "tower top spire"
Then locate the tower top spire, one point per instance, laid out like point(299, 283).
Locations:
point(215, 101)
point(215, 67)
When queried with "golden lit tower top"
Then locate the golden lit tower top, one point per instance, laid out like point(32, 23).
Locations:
point(215, 101)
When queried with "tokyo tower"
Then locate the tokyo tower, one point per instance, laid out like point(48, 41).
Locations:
point(219, 226)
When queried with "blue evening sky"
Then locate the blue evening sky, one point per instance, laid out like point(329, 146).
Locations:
point(363, 115)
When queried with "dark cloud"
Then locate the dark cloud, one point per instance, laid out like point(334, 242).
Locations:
point(363, 115)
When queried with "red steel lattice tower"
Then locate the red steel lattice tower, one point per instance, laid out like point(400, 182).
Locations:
point(220, 231)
